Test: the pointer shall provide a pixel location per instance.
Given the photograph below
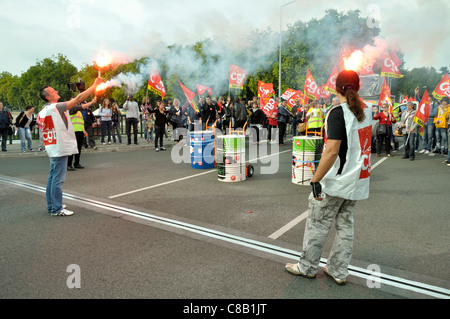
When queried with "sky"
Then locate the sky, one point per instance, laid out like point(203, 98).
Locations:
point(33, 30)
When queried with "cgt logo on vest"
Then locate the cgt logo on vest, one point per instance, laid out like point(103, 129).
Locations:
point(48, 131)
point(365, 140)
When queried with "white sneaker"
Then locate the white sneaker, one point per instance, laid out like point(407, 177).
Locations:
point(64, 213)
point(422, 151)
point(157, 149)
point(427, 152)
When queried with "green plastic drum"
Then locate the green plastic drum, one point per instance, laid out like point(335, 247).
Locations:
point(231, 143)
point(307, 144)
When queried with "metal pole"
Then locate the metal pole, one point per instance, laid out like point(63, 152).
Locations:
point(279, 62)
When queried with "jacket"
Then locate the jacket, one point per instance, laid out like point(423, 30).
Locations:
point(408, 120)
point(441, 118)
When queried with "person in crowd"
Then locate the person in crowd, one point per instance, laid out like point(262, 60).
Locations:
point(150, 127)
point(106, 122)
point(41, 135)
point(337, 185)
point(132, 116)
point(315, 118)
point(409, 131)
point(385, 120)
point(160, 124)
point(193, 117)
point(220, 113)
point(297, 116)
point(239, 113)
point(145, 106)
point(89, 122)
point(78, 126)
point(227, 114)
point(429, 138)
point(256, 121)
point(273, 124)
point(208, 113)
point(441, 123)
point(175, 118)
point(5, 125)
point(115, 119)
point(60, 142)
point(24, 124)
point(283, 118)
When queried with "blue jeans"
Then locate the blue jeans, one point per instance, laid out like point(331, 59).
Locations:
point(106, 129)
point(441, 140)
point(410, 144)
point(431, 136)
point(25, 135)
point(116, 129)
point(56, 177)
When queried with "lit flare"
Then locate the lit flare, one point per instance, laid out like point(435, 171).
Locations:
point(354, 61)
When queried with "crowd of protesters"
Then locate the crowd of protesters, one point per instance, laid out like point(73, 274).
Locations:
point(166, 117)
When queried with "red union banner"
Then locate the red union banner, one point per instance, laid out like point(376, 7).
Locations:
point(389, 69)
point(265, 91)
point(201, 89)
point(385, 96)
point(270, 107)
point(189, 96)
point(423, 111)
point(366, 69)
point(155, 84)
point(331, 84)
point(312, 90)
point(443, 88)
point(237, 77)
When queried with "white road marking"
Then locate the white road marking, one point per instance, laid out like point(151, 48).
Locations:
point(277, 234)
point(368, 275)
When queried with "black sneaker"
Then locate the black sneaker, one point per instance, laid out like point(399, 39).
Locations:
point(70, 168)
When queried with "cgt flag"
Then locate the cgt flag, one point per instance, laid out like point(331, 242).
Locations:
point(265, 91)
point(312, 90)
point(237, 77)
point(385, 96)
point(154, 82)
point(201, 89)
point(389, 69)
point(443, 88)
point(189, 96)
point(290, 95)
point(423, 112)
point(331, 84)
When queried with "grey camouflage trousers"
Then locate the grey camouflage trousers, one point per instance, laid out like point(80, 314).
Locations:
point(320, 218)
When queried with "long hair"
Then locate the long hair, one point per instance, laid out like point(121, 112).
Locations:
point(347, 84)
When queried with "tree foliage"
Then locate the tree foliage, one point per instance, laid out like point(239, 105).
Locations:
point(317, 45)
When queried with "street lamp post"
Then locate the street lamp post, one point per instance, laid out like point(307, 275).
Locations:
point(279, 71)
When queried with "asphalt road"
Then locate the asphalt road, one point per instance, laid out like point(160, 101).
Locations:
point(145, 227)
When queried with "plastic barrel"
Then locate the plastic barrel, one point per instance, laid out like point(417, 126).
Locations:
point(306, 154)
point(202, 149)
point(231, 158)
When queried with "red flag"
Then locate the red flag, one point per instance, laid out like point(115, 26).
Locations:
point(324, 94)
point(405, 99)
point(395, 58)
point(443, 88)
point(189, 96)
point(389, 69)
point(423, 111)
point(154, 82)
point(237, 77)
point(201, 89)
point(269, 107)
point(366, 69)
point(265, 91)
point(385, 96)
point(312, 90)
point(331, 84)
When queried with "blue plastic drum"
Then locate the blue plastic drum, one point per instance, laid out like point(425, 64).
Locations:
point(202, 150)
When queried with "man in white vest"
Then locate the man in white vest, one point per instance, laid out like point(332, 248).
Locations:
point(60, 142)
point(341, 179)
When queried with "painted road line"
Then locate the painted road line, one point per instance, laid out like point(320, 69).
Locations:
point(367, 274)
point(183, 178)
point(277, 234)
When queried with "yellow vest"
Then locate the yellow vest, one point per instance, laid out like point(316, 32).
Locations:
point(442, 117)
point(77, 122)
point(315, 121)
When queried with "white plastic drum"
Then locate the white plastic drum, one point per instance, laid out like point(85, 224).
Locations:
point(231, 158)
point(306, 154)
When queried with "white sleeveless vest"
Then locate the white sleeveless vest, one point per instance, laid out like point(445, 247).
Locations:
point(353, 182)
point(59, 140)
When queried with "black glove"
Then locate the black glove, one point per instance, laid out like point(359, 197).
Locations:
point(316, 189)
